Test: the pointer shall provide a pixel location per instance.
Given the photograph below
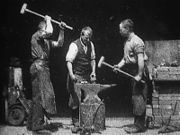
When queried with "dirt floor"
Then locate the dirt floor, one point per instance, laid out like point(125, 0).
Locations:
point(114, 126)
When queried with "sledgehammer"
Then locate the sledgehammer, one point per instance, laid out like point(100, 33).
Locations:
point(24, 9)
point(102, 62)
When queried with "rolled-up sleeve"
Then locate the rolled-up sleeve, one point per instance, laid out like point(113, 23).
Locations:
point(93, 54)
point(139, 47)
point(72, 52)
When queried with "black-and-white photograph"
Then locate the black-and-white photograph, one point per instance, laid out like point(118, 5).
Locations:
point(90, 67)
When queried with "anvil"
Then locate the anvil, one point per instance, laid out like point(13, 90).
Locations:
point(91, 91)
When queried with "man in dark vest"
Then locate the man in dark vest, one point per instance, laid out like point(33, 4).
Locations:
point(81, 65)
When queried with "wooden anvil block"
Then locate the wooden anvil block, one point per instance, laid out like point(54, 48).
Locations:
point(92, 109)
point(92, 116)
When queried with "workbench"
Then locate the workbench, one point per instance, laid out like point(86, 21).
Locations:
point(164, 67)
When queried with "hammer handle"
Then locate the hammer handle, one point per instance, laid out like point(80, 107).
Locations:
point(121, 71)
point(35, 13)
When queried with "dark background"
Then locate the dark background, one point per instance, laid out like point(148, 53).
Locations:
point(154, 20)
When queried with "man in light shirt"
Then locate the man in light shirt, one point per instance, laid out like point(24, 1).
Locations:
point(135, 61)
point(81, 66)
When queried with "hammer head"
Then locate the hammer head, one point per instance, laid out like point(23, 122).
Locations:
point(23, 9)
point(101, 61)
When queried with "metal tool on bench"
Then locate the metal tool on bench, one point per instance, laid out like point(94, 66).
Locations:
point(24, 9)
point(102, 62)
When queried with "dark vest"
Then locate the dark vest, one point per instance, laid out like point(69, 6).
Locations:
point(82, 62)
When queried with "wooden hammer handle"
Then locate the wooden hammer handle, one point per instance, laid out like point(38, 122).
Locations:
point(121, 71)
point(35, 13)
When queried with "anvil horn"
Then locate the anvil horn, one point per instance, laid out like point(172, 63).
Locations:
point(106, 86)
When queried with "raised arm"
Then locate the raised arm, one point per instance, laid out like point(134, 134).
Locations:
point(49, 27)
point(60, 41)
point(46, 27)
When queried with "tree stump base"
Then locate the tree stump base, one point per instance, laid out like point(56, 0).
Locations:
point(92, 116)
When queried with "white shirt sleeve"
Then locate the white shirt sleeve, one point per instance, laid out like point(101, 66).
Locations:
point(93, 54)
point(72, 52)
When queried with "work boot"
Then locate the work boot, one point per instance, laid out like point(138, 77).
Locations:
point(134, 129)
point(75, 117)
point(75, 129)
point(51, 127)
point(75, 122)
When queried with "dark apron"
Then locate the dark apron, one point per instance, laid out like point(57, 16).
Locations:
point(139, 90)
point(42, 95)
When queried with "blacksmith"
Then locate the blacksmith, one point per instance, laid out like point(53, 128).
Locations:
point(135, 61)
point(81, 66)
point(42, 89)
